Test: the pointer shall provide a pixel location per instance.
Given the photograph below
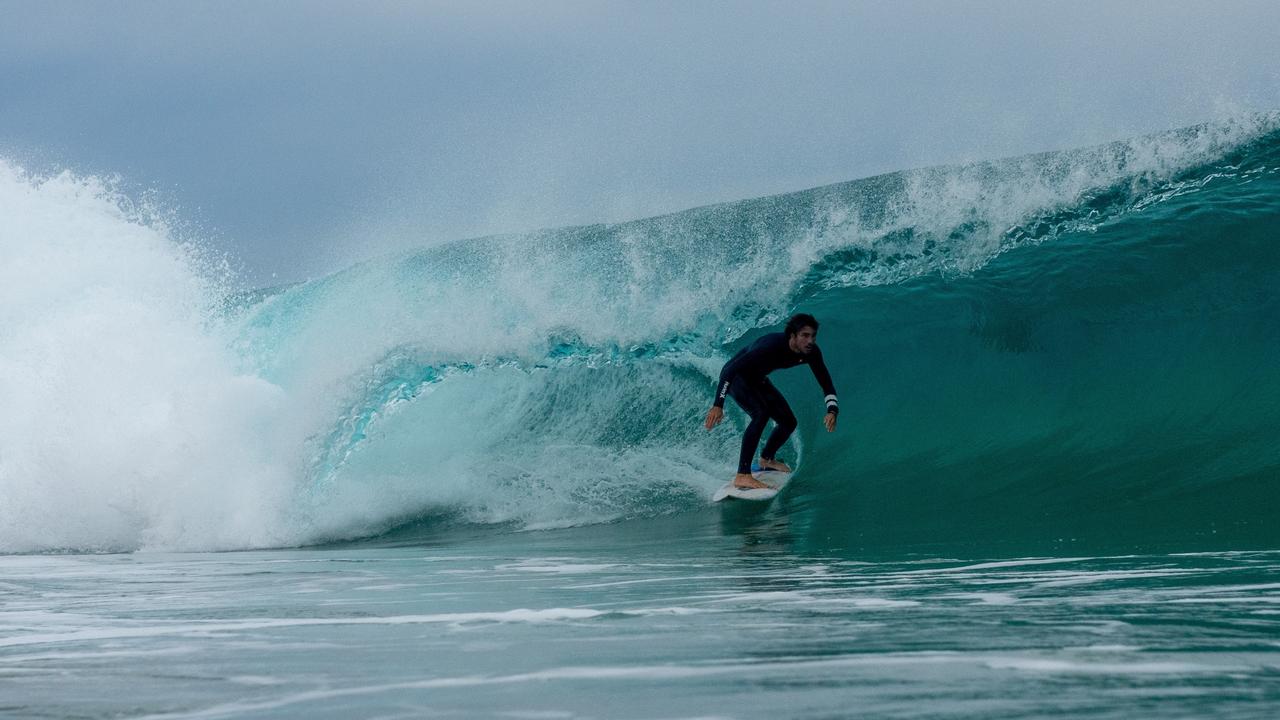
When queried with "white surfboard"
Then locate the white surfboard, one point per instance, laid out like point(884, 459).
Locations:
point(774, 478)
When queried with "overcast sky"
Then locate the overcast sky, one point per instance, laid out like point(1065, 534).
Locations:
point(300, 136)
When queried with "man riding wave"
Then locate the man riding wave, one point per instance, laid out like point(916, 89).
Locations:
point(745, 379)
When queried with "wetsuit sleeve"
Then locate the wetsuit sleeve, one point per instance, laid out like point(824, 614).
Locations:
point(727, 374)
point(819, 368)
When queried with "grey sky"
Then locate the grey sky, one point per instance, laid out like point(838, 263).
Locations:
point(300, 136)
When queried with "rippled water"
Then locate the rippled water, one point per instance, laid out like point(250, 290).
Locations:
point(678, 618)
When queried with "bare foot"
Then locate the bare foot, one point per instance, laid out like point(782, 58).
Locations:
point(746, 482)
point(775, 465)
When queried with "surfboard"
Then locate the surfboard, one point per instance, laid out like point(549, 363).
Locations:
point(773, 477)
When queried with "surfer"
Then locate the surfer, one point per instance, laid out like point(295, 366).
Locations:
point(745, 379)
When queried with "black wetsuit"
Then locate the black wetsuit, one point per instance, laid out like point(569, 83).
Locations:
point(745, 379)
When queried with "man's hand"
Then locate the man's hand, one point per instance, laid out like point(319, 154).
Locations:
point(714, 416)
point(830, 422)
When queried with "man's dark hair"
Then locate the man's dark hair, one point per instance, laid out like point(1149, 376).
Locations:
point(799, 321)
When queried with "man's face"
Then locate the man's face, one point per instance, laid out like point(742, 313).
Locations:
point(802, 342)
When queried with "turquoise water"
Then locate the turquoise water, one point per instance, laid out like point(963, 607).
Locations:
point(472, 480)
point(687, 617)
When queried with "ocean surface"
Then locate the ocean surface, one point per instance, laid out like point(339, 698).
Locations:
point(472, 480)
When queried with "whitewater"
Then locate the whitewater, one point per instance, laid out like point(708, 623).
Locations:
point(481, 465)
